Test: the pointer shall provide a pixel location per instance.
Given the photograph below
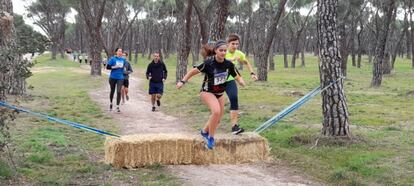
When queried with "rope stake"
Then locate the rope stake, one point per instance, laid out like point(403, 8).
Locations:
point(272, 121)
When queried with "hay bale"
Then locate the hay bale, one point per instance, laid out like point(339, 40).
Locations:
point(172, 149)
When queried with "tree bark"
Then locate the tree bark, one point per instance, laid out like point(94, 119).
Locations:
point(352, 44)
point(334, 106)
point(412, 33)
point(246, 38)
point(285, 53)
point(259, 27)
point(271, 58)
point(6, 45)
point(381, 42)
point(359, 50)
point(386, 65)
point(196, 44)
point(399, 41)
point(184, 22)
point(218, 26)
point(408, 44)
point(263, 54)
point(13, 69)
point(302, 57)
point(92, 13)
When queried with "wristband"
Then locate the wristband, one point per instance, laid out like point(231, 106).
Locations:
point(182, 81)
point(252, 73)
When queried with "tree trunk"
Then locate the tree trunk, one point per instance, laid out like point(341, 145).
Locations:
point(246, 38)
point(6, 48)
point(6, 62)
point(412, 34)
point(386, 65)
point(13, 69)
point(184, 22)
point(218, 27)
point(334, 106)
point(359, 50)
point(408, 43)
point(196, 56)
point(381, 42)
point(95, 52)
point(302, 57)
point(130, 44)
point(295, 51)
point(54, 48)
point(136, 52)
point(353, 56)
point(285, 53)
point(196, 45)
point(398, 44)
point(271, 58)
point(259, 27)
point(343, 48)
point(92, 13)
point(264, 53)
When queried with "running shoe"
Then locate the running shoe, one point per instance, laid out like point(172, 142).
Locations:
point(205, 135)
point(210, 143)
point(236, 129)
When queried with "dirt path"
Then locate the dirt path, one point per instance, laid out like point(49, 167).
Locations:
point(136, 117)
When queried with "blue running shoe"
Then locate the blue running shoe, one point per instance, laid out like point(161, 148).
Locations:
point(204, 134)
point(210, 143)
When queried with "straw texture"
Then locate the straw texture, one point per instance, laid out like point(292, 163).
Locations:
point(171, 149)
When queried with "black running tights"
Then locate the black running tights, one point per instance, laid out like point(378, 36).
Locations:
point(118, 83)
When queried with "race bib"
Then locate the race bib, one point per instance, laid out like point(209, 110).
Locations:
point(220, 78)
point(119, 64)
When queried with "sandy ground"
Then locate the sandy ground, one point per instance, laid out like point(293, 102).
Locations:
point(136, 117)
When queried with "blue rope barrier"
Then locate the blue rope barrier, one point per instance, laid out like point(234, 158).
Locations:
point(294, 106)
point(62, 121)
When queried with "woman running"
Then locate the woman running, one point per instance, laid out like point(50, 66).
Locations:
point(216, 69)
point(116, 65)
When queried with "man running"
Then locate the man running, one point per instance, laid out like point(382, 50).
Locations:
point(156, 74)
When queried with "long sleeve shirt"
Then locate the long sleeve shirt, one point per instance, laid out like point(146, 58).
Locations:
point(156, 72)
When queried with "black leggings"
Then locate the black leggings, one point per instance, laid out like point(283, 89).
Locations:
point(118, 83)
point(231, 90)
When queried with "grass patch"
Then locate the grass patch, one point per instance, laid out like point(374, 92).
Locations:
point(5, 171)
point(45, 60)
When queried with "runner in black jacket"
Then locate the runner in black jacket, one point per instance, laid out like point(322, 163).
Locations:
point(156, 74)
